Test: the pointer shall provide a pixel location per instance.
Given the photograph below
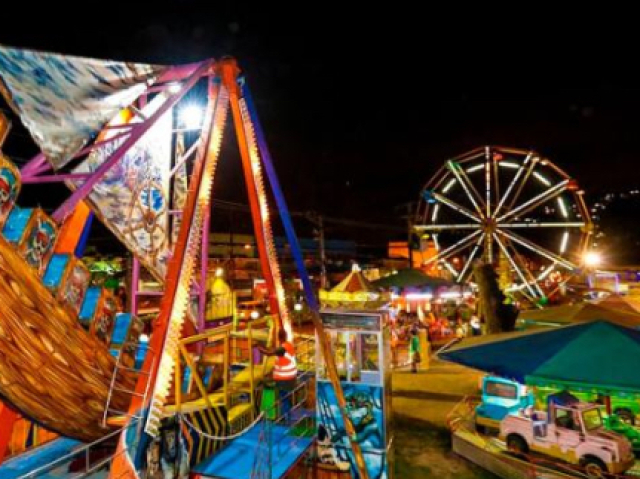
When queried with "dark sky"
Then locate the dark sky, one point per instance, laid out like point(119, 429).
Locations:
point(362, 106)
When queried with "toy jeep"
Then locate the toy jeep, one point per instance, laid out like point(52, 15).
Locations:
point(624, 405)
point(572, 432)
point(499, 398)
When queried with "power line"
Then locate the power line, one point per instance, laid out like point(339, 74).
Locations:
point(230, 205)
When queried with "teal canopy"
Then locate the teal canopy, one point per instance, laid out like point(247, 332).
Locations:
point(598, 354)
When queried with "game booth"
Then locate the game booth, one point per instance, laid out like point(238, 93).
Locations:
point(360, 341)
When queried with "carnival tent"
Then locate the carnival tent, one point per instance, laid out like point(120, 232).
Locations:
point(594, 354)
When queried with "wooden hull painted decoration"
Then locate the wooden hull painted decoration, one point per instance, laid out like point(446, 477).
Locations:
point(9, 187)
point(51, 369)
point(40, 237)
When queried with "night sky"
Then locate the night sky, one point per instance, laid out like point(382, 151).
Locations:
point(361, 107)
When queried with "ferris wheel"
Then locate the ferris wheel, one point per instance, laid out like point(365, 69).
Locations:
point(511, 208)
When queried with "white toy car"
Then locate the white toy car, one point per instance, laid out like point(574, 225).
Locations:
point(573, 433)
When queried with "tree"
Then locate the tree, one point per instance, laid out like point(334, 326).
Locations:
point(499, 317)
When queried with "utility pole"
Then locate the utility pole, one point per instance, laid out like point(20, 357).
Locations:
point(323, 257)
point(317, 220)
point(409, 209)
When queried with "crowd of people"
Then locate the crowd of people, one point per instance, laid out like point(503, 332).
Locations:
point(406, 329)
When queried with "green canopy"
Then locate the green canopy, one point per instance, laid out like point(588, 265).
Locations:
point(412, 278)
point(596, 354)
point(578, 313)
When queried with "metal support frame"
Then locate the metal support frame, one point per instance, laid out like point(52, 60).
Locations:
point(67, 207)
point(312, 301)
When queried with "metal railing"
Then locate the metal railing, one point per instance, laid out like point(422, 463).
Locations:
point(120, 367)
point(85, 451)
point(270, 451)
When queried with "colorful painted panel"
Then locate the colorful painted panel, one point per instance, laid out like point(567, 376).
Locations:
point(131, 341)
point(89, 306)
point(74, 285)
point(167, 456)
point(63, 100)
point(16, 224)
point(104, 318)
point(55, 271)
point(132, 199)
point(40, 238)
point(9, 187)
point(366, 410)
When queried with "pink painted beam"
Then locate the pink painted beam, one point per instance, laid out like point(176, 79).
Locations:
point(55, 178)
point(33, 164)
point(173, 74)
point(181, 72)
point(43, 166)
point(184, 158)
point(68, 206)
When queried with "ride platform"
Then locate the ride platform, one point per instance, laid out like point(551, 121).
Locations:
point(39, 457)
point(238, 459)
point(491, 454)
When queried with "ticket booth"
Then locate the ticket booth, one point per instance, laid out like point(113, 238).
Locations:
point(360, 343)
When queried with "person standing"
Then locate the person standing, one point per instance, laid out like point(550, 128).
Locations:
point(285, 370)
point(394, 346)
point(414, 350)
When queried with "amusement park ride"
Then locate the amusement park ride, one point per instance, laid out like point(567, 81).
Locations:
point(68, 362)
point(511, 208)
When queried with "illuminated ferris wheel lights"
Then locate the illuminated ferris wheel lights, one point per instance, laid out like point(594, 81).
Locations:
point(563, 208)
point(435, 212)
point(541, 178)
point(449, 185)
point(565, 242)
point(474, 168)
point(509, 164)
point(496, 213)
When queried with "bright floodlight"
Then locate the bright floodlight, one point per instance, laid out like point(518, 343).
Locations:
point(219, 273)
point(297, 307)
point(592, 259)
point(191, 116)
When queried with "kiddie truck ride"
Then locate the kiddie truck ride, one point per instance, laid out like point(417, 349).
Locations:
point(500, 397)
point(572, 432)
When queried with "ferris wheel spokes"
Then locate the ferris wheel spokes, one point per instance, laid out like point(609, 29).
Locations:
point(471, 257)
point(461, 226)
point(528, 273)
point(454, 206)
point(536, 201)
point(467, 186)
point(538, 249)
point(454, 248)
point(514, 265)
point(513, 183)
point(562, 224)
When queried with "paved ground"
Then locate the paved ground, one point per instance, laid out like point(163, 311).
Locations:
point(421, 403)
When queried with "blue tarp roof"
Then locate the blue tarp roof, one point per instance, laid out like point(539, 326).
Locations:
point(598, 353)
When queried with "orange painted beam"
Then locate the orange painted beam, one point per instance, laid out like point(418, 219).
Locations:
point(5, 126)
point(229, 71)
point(72, 229)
